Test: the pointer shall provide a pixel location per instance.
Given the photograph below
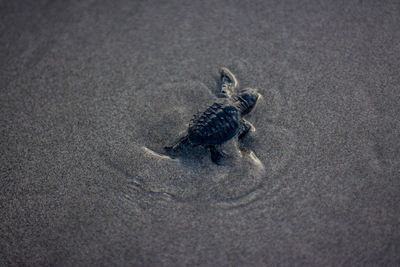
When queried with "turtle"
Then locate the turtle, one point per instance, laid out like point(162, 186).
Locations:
point(221, 121)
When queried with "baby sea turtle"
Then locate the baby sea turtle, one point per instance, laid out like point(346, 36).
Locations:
point(221, 121)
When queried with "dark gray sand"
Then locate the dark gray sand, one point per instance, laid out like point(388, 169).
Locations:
point(91, 91)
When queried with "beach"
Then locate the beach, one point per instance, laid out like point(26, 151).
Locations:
point(92, 92)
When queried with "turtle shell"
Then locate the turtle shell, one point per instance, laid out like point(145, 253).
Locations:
point(216, 125)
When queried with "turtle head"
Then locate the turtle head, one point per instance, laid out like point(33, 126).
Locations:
point(247, 100)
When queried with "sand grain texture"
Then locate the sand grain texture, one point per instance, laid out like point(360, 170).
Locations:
point(92, 91)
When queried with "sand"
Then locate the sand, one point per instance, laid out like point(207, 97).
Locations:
point(91, 92)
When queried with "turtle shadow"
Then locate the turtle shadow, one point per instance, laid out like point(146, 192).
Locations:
point(190, 156)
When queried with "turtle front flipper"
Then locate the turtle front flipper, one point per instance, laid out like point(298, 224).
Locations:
point(245, 127)
point(228, 82)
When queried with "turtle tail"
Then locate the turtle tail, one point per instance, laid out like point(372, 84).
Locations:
point(179, 144)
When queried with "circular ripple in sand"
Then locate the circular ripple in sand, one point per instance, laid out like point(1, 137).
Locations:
point(161, 113)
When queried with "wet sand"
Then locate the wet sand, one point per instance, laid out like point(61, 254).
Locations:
point(91, 92)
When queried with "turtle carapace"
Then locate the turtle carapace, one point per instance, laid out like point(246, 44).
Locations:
point(221, 121)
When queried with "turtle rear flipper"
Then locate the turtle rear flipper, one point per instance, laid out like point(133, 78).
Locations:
point(217, 155)
point(228, 82)
point(179, 144)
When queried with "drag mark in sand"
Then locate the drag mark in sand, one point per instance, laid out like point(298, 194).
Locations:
point(195, 179)
point(155, 154)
